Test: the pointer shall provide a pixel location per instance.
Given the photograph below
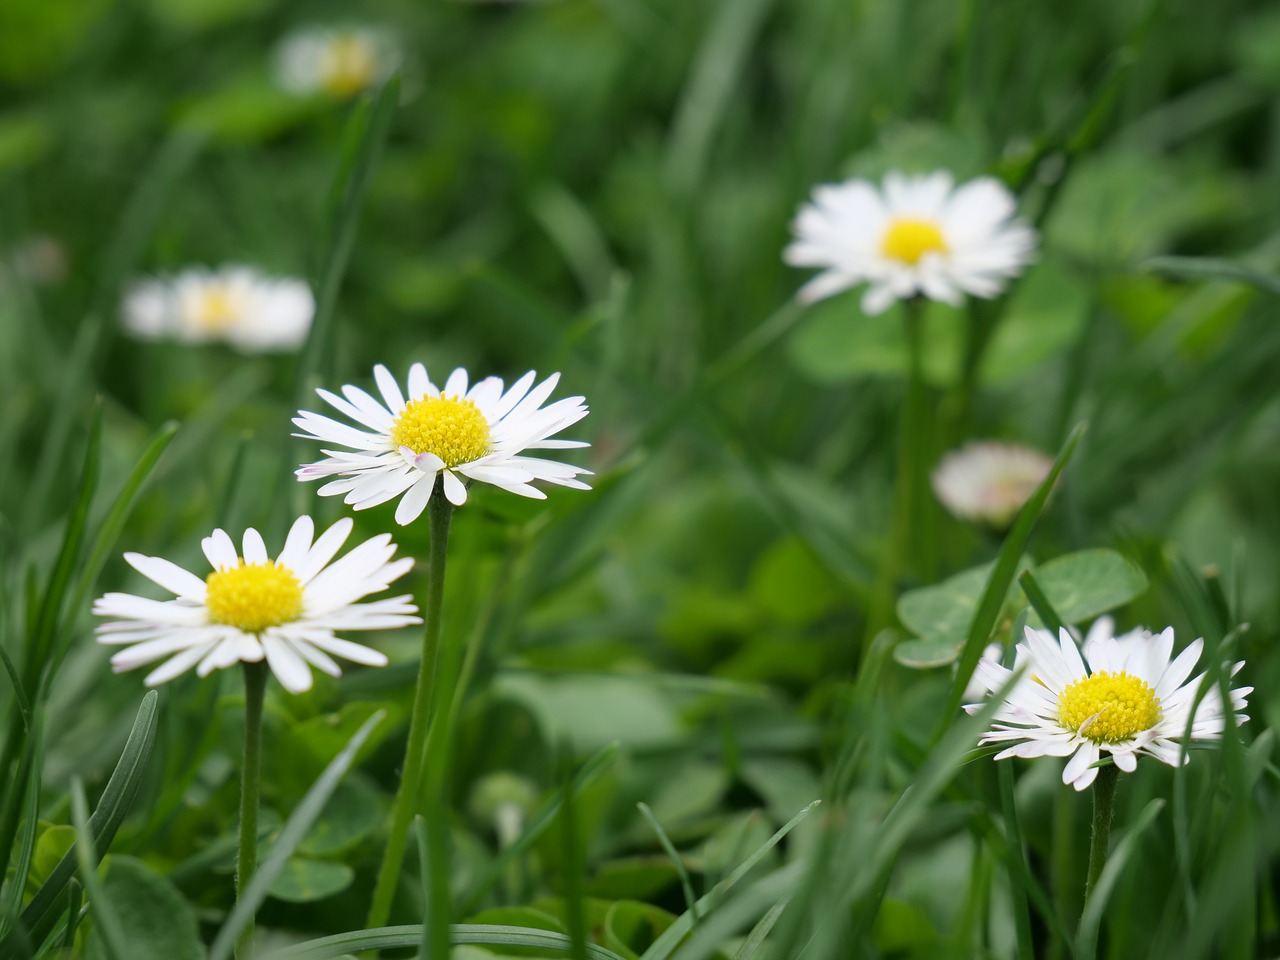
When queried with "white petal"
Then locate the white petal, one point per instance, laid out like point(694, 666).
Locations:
point(290, 669)
point(454, 489)
point(169, 575)
point(255, 551)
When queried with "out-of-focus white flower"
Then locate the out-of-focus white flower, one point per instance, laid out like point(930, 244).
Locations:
point(235, 304)
point(915, 235)
point(338, 61)
point(988, 480)
point(1128, 697)
point(452, 432)
point(251, 607)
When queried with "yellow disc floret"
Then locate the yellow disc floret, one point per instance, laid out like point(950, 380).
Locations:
point(351, 65)
point(453, 429)
point(214, 308)
point(253, 596)
point(1109, 707)
point(908, 240)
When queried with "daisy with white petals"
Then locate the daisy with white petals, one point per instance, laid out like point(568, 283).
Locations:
point(916, 235)
point(989, 481)
point(1127, 696)
point(234, 304)
point(338, 61)
point(403, 443)
point(286, 611)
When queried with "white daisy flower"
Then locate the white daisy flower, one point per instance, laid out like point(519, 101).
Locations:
point(917, 235)
point(1127, 698)
point(250, 607)
point(339, 61)
point(453, 432)
point(989, 481)
point(236, 304)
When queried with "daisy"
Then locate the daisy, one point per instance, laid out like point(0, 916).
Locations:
point(251, 607)
point(339, 61)
point(452, 432)
point(989, 480)
point(917, 235)
point(1125, 697)
point(235, 304)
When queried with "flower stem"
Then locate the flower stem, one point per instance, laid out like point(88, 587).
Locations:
point(440, 512)
point(255, 687)
point(1104, 797)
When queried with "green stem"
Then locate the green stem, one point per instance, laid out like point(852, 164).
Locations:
point(255, 687)
point(1104, 801)
point(440, 512)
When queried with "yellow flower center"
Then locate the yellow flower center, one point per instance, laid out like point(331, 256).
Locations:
point(214, 309)
point(351, 66)
point(453, 429)
point(253, 596)
point(1109, 707)
point(908, 240)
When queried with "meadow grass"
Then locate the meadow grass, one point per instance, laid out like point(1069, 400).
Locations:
point(710, 708)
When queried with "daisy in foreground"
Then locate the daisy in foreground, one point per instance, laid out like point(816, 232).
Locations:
point(236, 304)
point(989, 481)
point(1125, 696)
point(916, 235)
point(251, 607)
point(451, 432)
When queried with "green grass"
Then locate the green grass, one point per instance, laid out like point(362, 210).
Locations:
point(680, 662)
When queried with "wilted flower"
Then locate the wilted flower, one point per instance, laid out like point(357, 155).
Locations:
point(917, 235)
point(250, 607)
point(234, 304)
point(1125, 697)
point(989, 480)
point(450, 432)
point(339, 61)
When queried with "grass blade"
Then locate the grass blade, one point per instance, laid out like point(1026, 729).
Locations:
point(691, 903)
point(410, 935)
point(295, 829)
point(1213, 268)
point(751, 945)
point(666, 944)
point(104, 917)
point(42, 913)
point(1091, 919)
point(984, 618)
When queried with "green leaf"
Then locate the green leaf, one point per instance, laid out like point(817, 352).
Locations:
point(940, 615)
point(158, 921)
point(1082, 585)
point(353, 813)
point(301, 880)
point(631, 927)
point(790, 584)
point(52, 844)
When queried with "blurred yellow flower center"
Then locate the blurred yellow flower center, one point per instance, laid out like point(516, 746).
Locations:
point(254, 596)
point(1109, 707)
point(453, 429)
point(908, 240)
point(214, 309)
point(351, 66)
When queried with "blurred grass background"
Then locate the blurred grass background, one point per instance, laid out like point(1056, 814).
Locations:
point(603, 187)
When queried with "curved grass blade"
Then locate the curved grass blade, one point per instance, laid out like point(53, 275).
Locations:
point(19, 691)
point(1213, 268)
point(538, 824)
point(755, 938)
point(105, 538)
point(1091, 919)
point(42, 913)
point(372, 121)
point(410, 935)
point(686, 884)
point(984, 618)
point(27, 836)
point(295, 829)
point(666, 944)
point(104, 916)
